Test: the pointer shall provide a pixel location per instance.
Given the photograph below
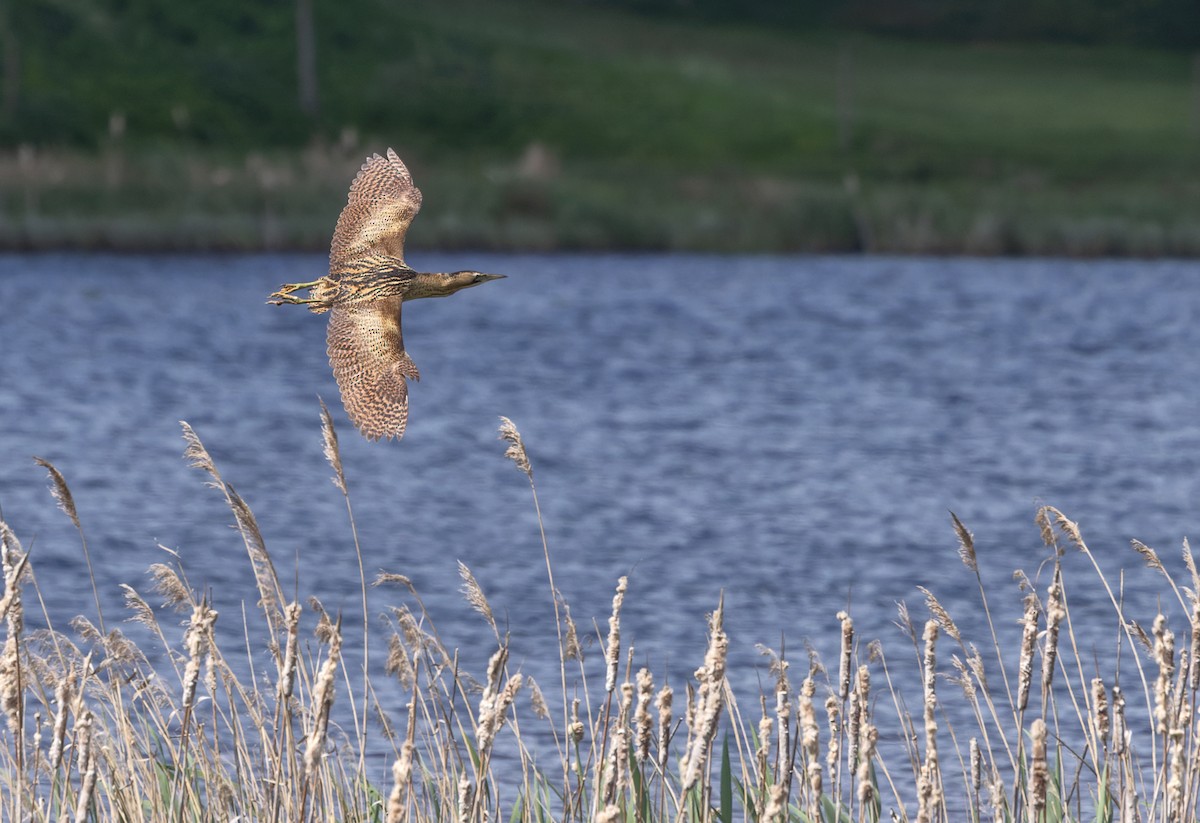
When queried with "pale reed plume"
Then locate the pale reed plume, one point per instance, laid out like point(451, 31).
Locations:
point(1190, 562)
point(401, 777)
point(834, 714)
point(1177, 767)
point(397, 808)
point(269, 590)
point(198, 456)
point(976, 765)
point(1047, 515)
point(996, 796)
point(392, 579)
point(847, 649)
point(858, 708)
point(572, 650)
point(1039, 771)
point(610, 813)
point(1164, 655)
point(287, 668)
point(776, 803)
point(13, 561)
point(333, 454)
point(537, 700)
point(1194, 673)
point(766, 734)
point(60, 491)
point(783, 714)
point(662, 703)
point(1055, 612)
point(1120, 732)
point(964, 678)
point(940, 614)
point(1100, 718)
point(398, 664)
point(641, 717)
point(904, 621)
point(929, 781)
point(494, 703)
point(709, 700)
point(473, 592)
point(199, 642)
point(64, 696)
point(86, 758)
point(810, 743)
point(516, 446)
point(866, 786)
point(465, 800)
point(612, 649)
point(576, 729)
point(323, 692)
point(176, 596)
point(142, 611)
point(966, 544)
point(616, 769)
point(1149, 555)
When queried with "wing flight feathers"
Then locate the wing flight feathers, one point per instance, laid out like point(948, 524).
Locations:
point(366, 351)
point(382, 203)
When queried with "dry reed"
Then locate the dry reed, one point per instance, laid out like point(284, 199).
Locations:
point(95, 731)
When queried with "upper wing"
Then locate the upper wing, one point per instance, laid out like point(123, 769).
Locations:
point(382, 203)
point(366, 350)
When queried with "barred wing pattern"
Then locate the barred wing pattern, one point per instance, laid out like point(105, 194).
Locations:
point(366, 351)
point(383, 201)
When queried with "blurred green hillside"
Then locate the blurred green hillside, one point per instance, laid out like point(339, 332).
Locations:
point(541, 125)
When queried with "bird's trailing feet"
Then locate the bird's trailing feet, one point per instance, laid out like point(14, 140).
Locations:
point(285, 294)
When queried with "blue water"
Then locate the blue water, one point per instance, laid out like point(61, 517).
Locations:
point(790, 431)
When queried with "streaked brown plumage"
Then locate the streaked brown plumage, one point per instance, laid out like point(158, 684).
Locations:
point(368, 281)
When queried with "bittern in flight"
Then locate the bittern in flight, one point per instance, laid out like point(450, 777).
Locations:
point(368, 281)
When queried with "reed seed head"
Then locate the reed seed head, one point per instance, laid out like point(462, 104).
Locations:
point(198, 456)
point(332, 453)
point(576, 729)
point(473, 592)
point(966, 544)
point(167, 584)
point(641, 718)
point(1100, 719)
point(940, 614)
point(401, 778)
point(1055, 612)
point(516, 446)
point(287, 669)
point(323, 692)
point(572, 650)
point(142, 613)
point(662, 703)
point(60, 491)
point(846, 650)
point(1149, 555)
point(612, 649)
point(1164, 654)
point(1039, 771)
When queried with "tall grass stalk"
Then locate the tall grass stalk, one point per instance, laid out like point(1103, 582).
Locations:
point(94, 730)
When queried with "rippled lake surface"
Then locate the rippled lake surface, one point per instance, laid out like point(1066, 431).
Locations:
point(790, 431)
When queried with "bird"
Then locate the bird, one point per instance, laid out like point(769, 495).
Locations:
point(367, 285)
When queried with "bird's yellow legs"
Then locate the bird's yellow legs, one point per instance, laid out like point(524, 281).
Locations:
point(284, 295)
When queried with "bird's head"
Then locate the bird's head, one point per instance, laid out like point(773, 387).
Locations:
point(465, 279)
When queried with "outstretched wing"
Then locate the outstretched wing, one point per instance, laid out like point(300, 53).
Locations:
point(366, 350)
point(382, 203)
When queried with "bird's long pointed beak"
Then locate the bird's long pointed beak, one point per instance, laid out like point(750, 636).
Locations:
point(487, 277)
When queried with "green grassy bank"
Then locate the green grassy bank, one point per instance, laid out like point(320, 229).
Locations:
point(552, 126)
